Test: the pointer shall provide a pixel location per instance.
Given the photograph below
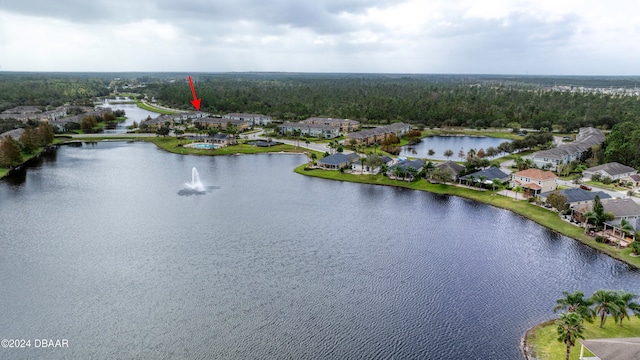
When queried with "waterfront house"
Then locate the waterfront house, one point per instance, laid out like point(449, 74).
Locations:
point(534, 181)
point(404, 165)
point(613, 170)
point(489, 174)
point(453, 166)
point(578, 197)
point(337, 161)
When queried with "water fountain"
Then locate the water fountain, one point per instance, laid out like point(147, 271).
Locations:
point(195, 185)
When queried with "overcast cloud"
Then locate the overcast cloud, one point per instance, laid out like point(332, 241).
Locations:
point(582, 37)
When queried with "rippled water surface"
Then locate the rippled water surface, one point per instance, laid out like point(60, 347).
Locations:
point(440, 144)
point(100, 245)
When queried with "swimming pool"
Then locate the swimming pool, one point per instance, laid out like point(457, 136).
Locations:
point(203, 146)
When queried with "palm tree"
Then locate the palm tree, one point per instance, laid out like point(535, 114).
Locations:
point(482, 179)
point(398, 172)
point(412, 172)
point(428, 168)
point(625, 302)
point(626, 227)
point(495, 182)
point(384, 168)
point(570, 329)
point(606, 302)
point(575, 303)
point(472, 179)
point(518, 189)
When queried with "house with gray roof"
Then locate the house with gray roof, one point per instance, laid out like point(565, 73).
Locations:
point(376, 135)
point(404, 165)
point(455, 168)
point(578, 196)
point(489, 173)
point(612, 170)
point(313, 130)
point(15, 134)
point(611, 348)
point(337, 161)
point(254, 119)
point(345, 125)
point(566, 153)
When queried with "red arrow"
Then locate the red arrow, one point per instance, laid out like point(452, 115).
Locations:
point(195, 101)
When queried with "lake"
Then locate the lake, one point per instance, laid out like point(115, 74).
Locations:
point(132, 112)
point(440, 144)
point(103, 246)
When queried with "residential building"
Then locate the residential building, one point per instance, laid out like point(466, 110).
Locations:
point(221, 123)
point(222, 139)
point(319, 131)
point(345, 125)
point(337, 161)
point(455, 168)
point(404, 165)
point(378, 134)
point(612, 170)
point(489, 174)
point(15, 134)
point(555, 158)
point(611, 348)
point(534, 181)
point(255, 119)
point(578, 197)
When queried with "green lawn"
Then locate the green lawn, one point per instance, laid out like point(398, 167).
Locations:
point(543, 339)
point(542, 216)
point(171, 144)
point(608, 187)
point(142, 105)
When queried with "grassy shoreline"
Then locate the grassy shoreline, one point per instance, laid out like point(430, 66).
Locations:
point(540, 215)
point(147, 107)
point(540, 342)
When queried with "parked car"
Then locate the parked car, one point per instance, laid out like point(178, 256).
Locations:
point(585, 187)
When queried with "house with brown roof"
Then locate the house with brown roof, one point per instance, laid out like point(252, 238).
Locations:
point(534, 181)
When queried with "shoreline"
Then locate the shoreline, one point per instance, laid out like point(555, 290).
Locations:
point(18, 167)
point(541, 216)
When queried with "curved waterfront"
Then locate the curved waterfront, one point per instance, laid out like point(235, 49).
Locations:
point(104, 251)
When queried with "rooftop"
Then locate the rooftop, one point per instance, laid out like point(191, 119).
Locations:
point(612, 168)
point(536, 174)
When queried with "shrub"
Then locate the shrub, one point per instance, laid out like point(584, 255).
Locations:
point(600, 239)
point(606, 180)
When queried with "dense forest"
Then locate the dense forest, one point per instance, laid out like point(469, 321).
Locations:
point(475, 101)
point(431, 101)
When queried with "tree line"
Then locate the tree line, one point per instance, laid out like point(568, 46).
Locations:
point(32, 137)
point(380, 100)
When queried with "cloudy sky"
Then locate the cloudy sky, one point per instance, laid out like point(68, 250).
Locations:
point(549, 37)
